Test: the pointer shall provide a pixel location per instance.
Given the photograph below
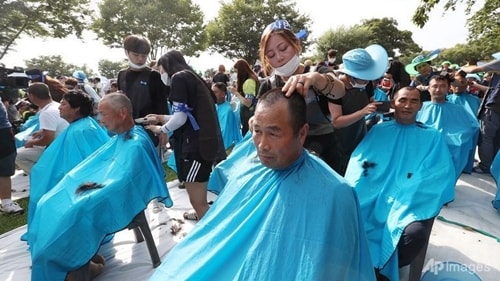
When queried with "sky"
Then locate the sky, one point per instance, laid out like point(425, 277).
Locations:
point(441, 31)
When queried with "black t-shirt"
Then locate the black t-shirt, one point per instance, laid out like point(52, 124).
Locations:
point(187, 88)
point(221, 77)
point(145, 90)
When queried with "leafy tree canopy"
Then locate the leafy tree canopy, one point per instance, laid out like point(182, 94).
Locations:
point(235, 32)
point(373, 31)
point(483, 25)
point(47, 18)
point(54, 65)
point(110, 69)
point(168, 24)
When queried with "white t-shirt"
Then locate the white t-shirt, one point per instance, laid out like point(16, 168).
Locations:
point(50, 119)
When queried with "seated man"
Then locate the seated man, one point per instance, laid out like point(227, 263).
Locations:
point(400, 190)
point(51, 125)
point(230, 125)
point(82, 137)
point(99, 196)
point(283, 213)
point(461, 96)
point(459, 127)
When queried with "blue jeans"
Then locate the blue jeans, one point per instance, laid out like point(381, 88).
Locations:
point(490, 138)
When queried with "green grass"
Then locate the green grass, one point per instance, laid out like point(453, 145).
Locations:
point(9, 222)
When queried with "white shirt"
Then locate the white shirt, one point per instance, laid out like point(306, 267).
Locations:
point(50, 119)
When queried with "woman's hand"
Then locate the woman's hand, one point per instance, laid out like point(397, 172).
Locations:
point(299, 83)
point(154, 128)
point(154, 119)
point(370, 108)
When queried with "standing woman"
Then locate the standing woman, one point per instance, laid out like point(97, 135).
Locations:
point(196, 132)
point(279, 52)
point(247, 85)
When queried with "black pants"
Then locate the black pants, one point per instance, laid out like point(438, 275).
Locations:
point(413, 240)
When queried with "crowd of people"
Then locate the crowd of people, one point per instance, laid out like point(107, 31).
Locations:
point(291, 148)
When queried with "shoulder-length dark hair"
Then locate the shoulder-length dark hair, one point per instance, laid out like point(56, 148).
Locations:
point(244, 73)
point(173, 61)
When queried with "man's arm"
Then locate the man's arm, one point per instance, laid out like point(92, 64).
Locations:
point(41, 138)
point(491, 66)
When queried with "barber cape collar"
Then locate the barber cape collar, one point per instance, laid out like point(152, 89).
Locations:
point(281, 24)
point(366, 64)
point(410, 68)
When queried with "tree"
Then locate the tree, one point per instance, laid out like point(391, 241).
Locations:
point(341, 39)
point(48, 18)
point(110, 69)
point(54, 66)
point(386, 33)
point(166, 23)
point(484, 25)
point(235, 32)
point(373, 31)
point(461, 54)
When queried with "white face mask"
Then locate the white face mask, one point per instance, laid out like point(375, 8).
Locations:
point(357, 85)
point(332, 60)
point(135, 66)
point(165, 79)
point(288, 68)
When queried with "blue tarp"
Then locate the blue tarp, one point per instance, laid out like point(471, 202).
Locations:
point(401, 173)
point(68, 228)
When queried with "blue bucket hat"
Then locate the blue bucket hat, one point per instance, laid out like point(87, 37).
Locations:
point(450, 271)
point(410, 68)
point(496, 56)
point(367, 64)
point(79, 75)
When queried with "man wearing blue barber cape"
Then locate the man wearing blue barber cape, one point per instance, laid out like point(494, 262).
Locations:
point(98, 197)
point(402, 189)
point(283, 214)
point(459, 127)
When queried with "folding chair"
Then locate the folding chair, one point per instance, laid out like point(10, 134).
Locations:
point(140, 226)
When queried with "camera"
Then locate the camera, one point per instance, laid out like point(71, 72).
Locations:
point(14, 78)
